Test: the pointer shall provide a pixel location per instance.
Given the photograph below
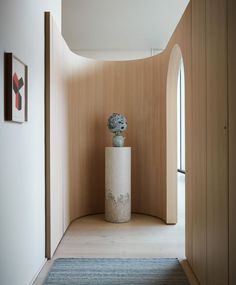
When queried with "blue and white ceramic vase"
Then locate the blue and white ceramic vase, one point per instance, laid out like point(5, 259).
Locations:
point(118, 141)
point(117, 124)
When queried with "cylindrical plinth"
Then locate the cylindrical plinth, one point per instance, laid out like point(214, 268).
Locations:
point(118, 184)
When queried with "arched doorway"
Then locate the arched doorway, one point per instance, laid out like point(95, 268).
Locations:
point(174, 134)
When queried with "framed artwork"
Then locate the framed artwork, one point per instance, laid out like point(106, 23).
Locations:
point(16, 81)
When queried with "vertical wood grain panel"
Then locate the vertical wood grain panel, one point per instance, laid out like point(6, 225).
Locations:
point(232, 138)
point(126, 87)
point(160, 70)
point(199, 125)
point(217, 164)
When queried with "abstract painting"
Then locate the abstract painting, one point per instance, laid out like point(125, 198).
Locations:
point(16, 73)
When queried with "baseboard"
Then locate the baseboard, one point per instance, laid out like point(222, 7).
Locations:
point(38, 271)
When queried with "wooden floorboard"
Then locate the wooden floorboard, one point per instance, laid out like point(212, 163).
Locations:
point(144, 236)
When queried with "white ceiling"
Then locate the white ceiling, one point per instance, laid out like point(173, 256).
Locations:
point(120, 25)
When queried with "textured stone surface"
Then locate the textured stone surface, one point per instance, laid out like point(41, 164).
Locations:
point(118, 184)
point(117, 208)
point(117, 123)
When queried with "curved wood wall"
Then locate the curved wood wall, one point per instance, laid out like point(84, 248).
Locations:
point(82, 93)
point(129, 88)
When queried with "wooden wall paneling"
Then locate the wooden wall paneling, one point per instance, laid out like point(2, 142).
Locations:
point(148, 104)
point(70, 196)
point(125, 87)
point(89, 164)
point(100, 126)
point(159, 104)
point(134, 91)
point(232, 138)
point(162, 67)
point(135, 169)
point(199, 139)
point(140, 124)
point(217, 142)
point(64, 115)
point(79, 133)
point(76, 177)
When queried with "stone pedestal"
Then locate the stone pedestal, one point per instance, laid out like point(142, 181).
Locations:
point(118, 184)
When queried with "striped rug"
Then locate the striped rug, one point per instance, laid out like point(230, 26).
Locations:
point(114, 271)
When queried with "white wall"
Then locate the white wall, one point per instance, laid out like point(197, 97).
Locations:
point(128, 25)
point(22, 186)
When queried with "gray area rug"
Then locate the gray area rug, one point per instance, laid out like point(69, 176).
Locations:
point(112, 271)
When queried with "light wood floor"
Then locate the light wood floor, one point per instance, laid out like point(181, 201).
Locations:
point(143, 236)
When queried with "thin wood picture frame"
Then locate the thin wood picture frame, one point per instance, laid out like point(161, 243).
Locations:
point(15, 89)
